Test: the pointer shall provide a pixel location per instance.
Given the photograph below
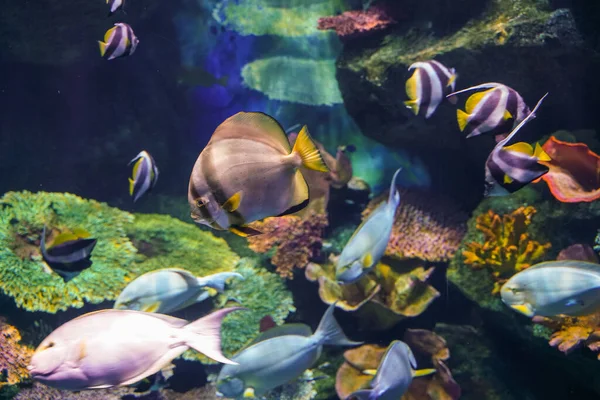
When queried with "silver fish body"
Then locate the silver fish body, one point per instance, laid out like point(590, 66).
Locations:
point(119, 347)
point(368, 243)
point(166, 290)
point(119, 41)
point(144, 175)
point(568, 287)
point(428, 86)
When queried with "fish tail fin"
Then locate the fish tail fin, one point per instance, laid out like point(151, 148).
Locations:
point(394, 193)
point(131, 186)
point(308, 151)
point(218, 281)
point(413, 105)
point(540, 153)
point(206, 337)
point(462, 118)
point(102, 48)
point(365, 394)
point(424, 372)
point(329, 331)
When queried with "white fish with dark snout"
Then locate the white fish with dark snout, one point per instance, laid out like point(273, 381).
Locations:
point(110, 348)
point(278, 356)
point(170, 289)
point(394, 374)
point(568, 287)
point(368, 243)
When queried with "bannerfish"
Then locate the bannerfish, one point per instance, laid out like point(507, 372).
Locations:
point(119, 41)
point(69, 253)
point(171, 289)
point(279, 355)
point(248, 171)
point(110, 348)
point(368, 243)
point(510, 167)
point(498, 109)
point(145, 175)
point(569, 287)
point(428, 85)
point(394, 374)
point(114, 5)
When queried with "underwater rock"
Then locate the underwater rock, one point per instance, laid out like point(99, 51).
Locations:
point(14, 356)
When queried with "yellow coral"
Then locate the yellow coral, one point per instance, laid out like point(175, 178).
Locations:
point(507, 247)
point(14, 356)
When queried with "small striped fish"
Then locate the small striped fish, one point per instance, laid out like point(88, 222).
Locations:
point(499, 109)
point(510, 167)
point(119, 41)
point(145, 175)
point(114, 5)
point(428, 85)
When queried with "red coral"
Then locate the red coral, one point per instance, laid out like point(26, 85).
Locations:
point(426, 227)
point(352, 24)
point(296, 239)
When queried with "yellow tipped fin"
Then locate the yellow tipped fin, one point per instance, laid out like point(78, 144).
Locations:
point(233, 203)
point(540, 154)
point(413, 105)
point(474, 100)
point(367, 260)
point(411, 86)
point(507, 115)
point(507, 179)
point(520, 147)
point(424, 372)
point(249, 393)
point(151, 307)
point(243, 231)
point(308, 151)
point(463, 119)
point(102, 48)
point(131, 184)
point(524, 309)
point(371, 372)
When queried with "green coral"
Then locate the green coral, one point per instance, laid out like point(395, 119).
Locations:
point(277, 78)
point(24, 275)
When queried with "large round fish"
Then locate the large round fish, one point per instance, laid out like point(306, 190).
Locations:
point(568, 287)
point(110, 348)
point(278, 356)
point(249, 171)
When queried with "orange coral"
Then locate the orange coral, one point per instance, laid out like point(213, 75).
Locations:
point(296, 240)
point(573, 332)
point(14, 356)
point(507, 247)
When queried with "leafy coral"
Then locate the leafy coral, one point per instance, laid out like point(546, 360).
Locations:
point(14, 356)
point(507, 247)
point(570, 333)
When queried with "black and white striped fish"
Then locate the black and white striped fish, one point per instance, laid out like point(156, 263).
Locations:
point(428, 85)
point(119, 41)
point(510, 167)
point(499, 109)
point(114, 5)
point(145, 175)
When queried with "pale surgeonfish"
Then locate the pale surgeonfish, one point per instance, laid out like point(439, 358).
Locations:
point(368, 243)
point(144, 175)
point(567, 287)
point(248, 171)
point(393, 376)
point(170, 289)
point(278, 356)
point(428, 86)
point(110, 348)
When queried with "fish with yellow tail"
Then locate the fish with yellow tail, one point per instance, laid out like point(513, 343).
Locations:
point(394, 375)
point(428, 86)
point(144, 176)
point(509, 167)
point(496, 110)
point(548, 289)
point(278, 356)
point(110, 348)
point(248, 171)
point(119, 41)
point(368, 243)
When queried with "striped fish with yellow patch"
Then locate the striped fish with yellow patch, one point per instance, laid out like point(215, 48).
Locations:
point(509, 167)
point(249, 171)
point(496, 110)
point(119, 41)
point(144, 176)
point(428, 85)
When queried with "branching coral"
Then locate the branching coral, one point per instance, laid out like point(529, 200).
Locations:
point(14, 356)
point(352, 24)
point(296, 240)
point(507, 247)
point(570, 333)
point(426, 227)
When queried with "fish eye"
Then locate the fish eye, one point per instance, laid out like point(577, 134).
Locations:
point(199, 203)
point(49, 345)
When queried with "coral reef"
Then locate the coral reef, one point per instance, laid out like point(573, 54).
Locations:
point(14, 356)
point(425, 227)
point(385, 296)
point(353, 24)
point(507, 247)
point(574, 174)
point(295, 240)
point(570, 333)
point(42, 392)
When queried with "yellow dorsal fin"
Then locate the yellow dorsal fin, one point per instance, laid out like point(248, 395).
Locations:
point(151, 307)
point(131, 184)
point(507, 115)
point(102, 48)
point(424, 372)
point(371, 372)
point(474, 100)
point(308, 151)
point(411, 86)
point(507, 179)
point(540, 154)
point(108, 34)
point(233, 203)
point(63, 238)
point(367, 260)
point(520, 147)
point(463, 119)
point(412, 105)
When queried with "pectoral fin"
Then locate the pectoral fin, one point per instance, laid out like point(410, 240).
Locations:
point(249, 393)
point(524, 309)
point(507, 115)
point(233, 203)
point(367, 260)
point(507, 179)
point(424, 372)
